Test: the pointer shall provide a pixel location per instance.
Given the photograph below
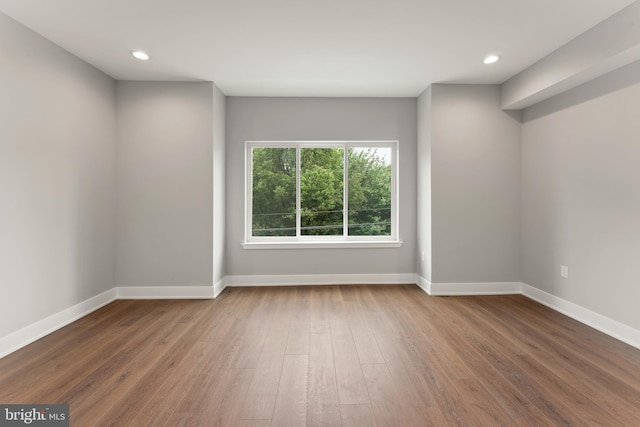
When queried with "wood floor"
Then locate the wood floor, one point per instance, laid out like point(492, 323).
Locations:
point(329, 356)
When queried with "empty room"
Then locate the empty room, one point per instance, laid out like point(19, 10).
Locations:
point(346, 213)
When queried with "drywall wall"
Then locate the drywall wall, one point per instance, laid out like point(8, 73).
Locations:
point(423, 185)
point(581, 195)
point(165, 185)
point(219, 185)
point(255, 119)
point(475, 186)
point(57, 178)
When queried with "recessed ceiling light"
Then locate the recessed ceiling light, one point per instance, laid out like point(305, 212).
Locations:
point(491, 59)
point(138, 54)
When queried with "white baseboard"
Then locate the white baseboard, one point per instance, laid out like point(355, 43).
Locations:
point(41, 328)
point(322, 279)
point(220, 286)
point(423, 284)
point(590, 318)
point(165, 292)
point(475, 288)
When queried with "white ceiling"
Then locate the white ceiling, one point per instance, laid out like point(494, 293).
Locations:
point(312, 48)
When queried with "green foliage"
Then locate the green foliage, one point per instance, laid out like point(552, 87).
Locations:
point(274, 191)
point(369, 193)
point(321, 191)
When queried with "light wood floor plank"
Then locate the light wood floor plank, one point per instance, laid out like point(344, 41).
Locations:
point(298, 341)
point(291, 402)
point(261, 396)
point(357, 416)
point(323, 406)
point(352, 389)
point(366, 345)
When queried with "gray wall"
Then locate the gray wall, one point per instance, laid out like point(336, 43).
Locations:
point(165, 185)
point(475, 186)
point(423, 185)
point(219, 186)
point(581, 195)
point(320, 119)
point(57, 175)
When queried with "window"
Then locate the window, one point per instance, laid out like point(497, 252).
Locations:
point(321, 194)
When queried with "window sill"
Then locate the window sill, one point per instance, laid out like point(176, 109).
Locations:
point(324, 245)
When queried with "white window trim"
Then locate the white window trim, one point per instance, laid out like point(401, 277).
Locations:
point(299, 242)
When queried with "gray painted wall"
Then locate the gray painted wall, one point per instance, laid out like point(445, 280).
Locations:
point(57, 178)
point(475, 186)
point(320, 119)
point(423, 185)
point(219, 185)
point(165, 185)
point(581, 195)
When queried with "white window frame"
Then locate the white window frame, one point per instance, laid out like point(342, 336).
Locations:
point(301, 241)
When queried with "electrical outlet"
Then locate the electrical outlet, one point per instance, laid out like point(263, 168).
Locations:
point(564, 271)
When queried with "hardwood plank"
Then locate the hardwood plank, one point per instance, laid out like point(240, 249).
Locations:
point(298, 341)
point(366, 345)
point(357, 416)
point(224, 396)
point(387, 408)
point(319, 323)
point(261, 396)
point(291, 402)
point(232, 401)
point(418, 387)
point(352, 388)
point(323, 406)
point(211, 375)
point(246, 351)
